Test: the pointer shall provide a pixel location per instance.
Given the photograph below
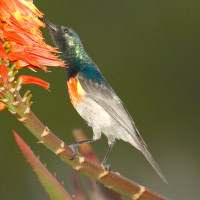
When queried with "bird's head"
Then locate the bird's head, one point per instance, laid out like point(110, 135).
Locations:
point(66, 39)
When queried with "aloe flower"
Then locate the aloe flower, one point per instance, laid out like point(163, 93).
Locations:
point(22, 46)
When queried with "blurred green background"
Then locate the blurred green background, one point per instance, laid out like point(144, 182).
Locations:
point(149, 51)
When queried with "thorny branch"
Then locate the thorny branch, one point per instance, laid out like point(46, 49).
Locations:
point(113, 180)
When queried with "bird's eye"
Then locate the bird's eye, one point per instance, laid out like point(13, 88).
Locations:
point(66, 30)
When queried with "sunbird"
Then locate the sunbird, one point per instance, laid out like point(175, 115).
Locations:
point(94, 99)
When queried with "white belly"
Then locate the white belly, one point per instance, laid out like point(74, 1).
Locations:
point(96, 116)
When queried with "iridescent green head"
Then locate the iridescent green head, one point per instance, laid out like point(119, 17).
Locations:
point(67, 41)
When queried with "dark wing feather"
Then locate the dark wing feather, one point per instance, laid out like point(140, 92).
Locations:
point(103, 94)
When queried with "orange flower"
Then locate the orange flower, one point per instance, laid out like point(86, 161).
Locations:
point(33, 80)
point(20, 26)
point(22, 11)
point(2, 106)
point(3, 54)
point(22, 44)
point(35, 57)
point(4, 75)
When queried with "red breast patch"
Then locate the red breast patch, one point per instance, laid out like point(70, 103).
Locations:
point(73, 93)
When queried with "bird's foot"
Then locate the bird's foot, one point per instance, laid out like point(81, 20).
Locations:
point(74, 149)
point(106, 166)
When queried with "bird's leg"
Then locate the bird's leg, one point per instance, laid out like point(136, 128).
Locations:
point(76, 144)
point(96, 136)
point(110, 146)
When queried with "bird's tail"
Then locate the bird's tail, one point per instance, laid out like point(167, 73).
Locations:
point(150, 158)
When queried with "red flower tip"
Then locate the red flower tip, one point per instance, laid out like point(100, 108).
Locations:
point(3, 54)
point(34, 80)
point(4, 75)
point(2, 106)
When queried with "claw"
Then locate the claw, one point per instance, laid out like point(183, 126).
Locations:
point(74, 156)
point(107, 166)
point(74, 149)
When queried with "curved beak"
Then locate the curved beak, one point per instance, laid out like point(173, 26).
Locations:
point(49, 24)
